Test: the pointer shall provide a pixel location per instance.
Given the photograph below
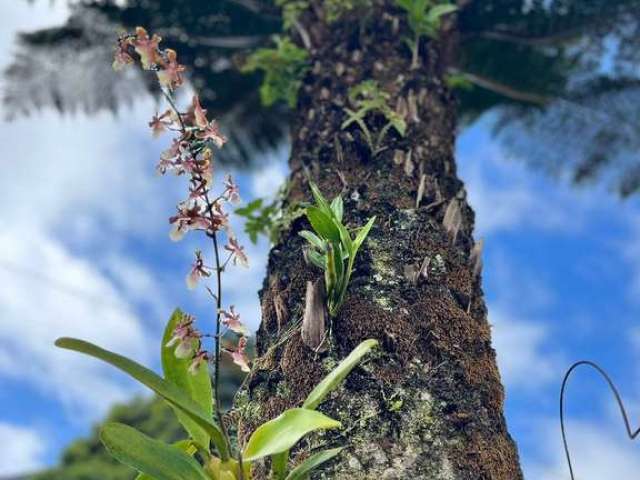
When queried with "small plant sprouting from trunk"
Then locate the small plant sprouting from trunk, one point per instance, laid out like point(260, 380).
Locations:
point(331, 247)
point(208, 453)
point(424, 18)
point(368, 98)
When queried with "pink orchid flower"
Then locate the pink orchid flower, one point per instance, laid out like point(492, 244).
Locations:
point(170, 75)
point(200, 358)
point(232, 191)
point(198, 271)
point(231, 320)
point(239, 256)
point(239, 356)
point(147, 48)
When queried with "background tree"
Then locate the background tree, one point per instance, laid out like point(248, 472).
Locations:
point(540, 67)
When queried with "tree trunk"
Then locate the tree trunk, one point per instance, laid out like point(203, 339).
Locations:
point(429, 404)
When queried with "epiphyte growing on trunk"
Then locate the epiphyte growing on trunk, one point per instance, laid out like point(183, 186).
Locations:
point(331, 247)
point(190, 397)
point(283, 66)
point(368, 98)
point(424, 18)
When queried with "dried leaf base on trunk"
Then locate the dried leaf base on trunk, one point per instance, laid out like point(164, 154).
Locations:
point(429, 405)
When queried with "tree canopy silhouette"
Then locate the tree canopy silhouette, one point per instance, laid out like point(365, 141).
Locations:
point(560, 75)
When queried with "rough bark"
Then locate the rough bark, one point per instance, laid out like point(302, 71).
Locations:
point(429, 404)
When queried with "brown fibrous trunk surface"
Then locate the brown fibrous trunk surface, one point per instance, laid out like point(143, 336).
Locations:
point(428, 404)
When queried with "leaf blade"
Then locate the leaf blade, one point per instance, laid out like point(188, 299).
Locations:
point(313, 239)
point(337, 208)
point(335, 377)
point(198, 386)
point(300, 472)
point(319, 198)
point(166, 390)
point(284, 431)
point(362, 235)
point(148, 456)
point(323, 224)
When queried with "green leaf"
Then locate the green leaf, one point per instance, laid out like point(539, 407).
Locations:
point(362, 235)
point(319, 198)
point(284, 431)
point(279, 463)
point(438, 11)
point(197, 386)
point(163, 388)
point(187, 446)
point(323, 224)
point(338, 267)
point(248, 209)
point(331, 381)
point(302, 470)
point(318, 259)
point(345, 238)
point(313, 239)
point(332, 281)
point(146, 455)
point(337, 207)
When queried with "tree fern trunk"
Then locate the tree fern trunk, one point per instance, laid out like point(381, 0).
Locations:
point(430, 404)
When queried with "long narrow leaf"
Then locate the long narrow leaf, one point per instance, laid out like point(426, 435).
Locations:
point(319, 198)
point(313, 239)
point(302, 470)
point(331, 381)
point(316, 258)
point(165, 389)
point(438, 11)
point(332, 280)
point(337, 208)
point(323, 224)
point(148, 456)
point(186, 446)
point(198, 386)
point(345, 238)
point(362, 235)
point(279, 463)
point(283, 432)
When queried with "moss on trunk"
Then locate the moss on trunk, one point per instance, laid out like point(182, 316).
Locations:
point(429, 404)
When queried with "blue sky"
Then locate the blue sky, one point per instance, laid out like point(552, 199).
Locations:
point(84, 251)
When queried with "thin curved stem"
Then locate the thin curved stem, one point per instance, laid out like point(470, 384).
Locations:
point(631, 434)
point(218, 298)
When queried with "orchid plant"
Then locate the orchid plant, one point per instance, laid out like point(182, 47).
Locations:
point(208, 453)
point(332, 248)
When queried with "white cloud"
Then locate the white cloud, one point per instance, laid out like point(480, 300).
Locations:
point(22, 449)
point(505, 196)
point(47, 292)
point(520, 348)
point(598, 450)
point(72, 193)
point(23, 16)
point(68, 199)
point(269, 179)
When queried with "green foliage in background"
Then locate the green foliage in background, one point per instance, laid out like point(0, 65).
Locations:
point(86, 458)
point(269, 219)
point(283, 67)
